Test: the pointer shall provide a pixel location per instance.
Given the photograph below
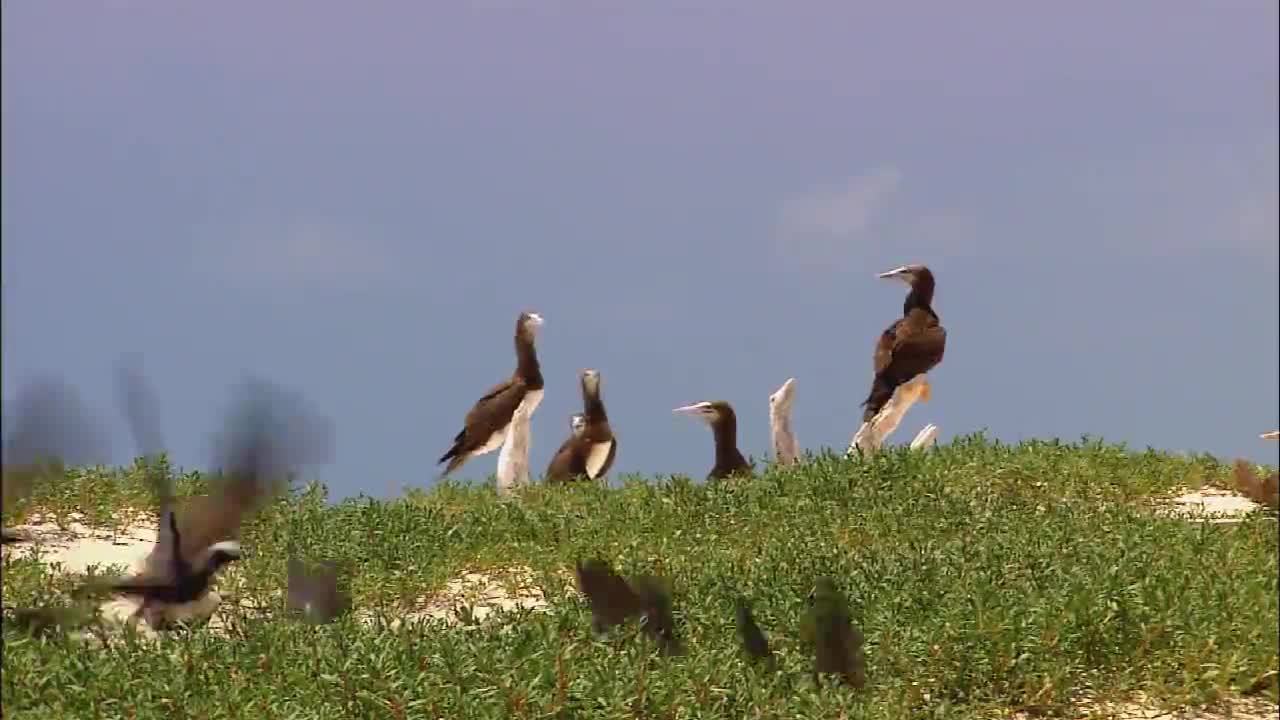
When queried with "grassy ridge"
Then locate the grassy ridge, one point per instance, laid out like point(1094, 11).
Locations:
point(984, 576)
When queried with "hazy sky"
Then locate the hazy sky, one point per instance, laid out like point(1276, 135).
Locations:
point(355, 200)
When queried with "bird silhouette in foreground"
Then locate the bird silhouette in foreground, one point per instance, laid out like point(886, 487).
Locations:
point(267, 435)
point(48, 429)
point(837, 642)
point(485, 427)
point(913, 345)
point(315, 591)
point(614, 600)
point(754, 642)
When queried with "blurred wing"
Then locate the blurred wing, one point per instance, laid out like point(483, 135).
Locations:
point(49, 428)
point(141, 410)
point(612, 599)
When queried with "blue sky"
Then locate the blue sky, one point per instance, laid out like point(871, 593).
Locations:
point(355, 201)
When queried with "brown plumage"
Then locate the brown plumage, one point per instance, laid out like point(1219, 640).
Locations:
point(484, 428)
point(724, 427)
point(590, 452)
point(1262, 490)
point(567, 464)
point(912, 345)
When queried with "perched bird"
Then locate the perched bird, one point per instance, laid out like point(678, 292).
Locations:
point(588, 453)
point(49, 428)
point(485, 426)
point(724, 427)
point(754, 642)
point(836, 640)
point(315, 591)
point(912, 345)
point(785, 449)
point(567, 462)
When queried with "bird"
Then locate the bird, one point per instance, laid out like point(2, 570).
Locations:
point(590, 452)
point(567, 462)
point(724, 427)
point(207, 519)
point(837, 642)
point(599, 443)
point(913, 345)
point(485, 426)
point(754, 642)
point(314, 591)
point(785, 449)
point(50, 428)
point(614, 600)
point(185, 582)
point(267, 434)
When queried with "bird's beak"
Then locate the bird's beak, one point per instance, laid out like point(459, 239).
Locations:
point(1273, 435)
point(536, 319)
point(694, 409)
point(903, 273)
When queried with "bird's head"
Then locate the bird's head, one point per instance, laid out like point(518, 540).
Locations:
point(528, 324)
point(220, 554)
point(709, 411)
point(907, 274)
point(780, 400)
point(577, 424)
point(591, 381)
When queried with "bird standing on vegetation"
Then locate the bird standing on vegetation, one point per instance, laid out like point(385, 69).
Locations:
point(588, 452)
point(912, 345)
point(485, 426)
point(724, 427)
point(837, 642)
point(566, 463)
point(785, 449)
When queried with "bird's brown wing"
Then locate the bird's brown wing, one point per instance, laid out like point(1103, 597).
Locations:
point(884, 347)
point(612, 599)
point(490, 414)
point(911, 346)
point(567, 462)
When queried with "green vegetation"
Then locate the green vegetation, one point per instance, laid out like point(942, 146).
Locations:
point(985, 577)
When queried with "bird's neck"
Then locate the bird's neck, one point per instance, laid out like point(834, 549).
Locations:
point(593, 407)
point(527, 362)
point(726, 435)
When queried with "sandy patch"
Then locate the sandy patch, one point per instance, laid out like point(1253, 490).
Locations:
point(1210, 505)
point(474, 597)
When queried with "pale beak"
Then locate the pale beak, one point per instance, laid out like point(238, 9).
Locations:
point(536, 319)
point(897, 272)
point(694, 409)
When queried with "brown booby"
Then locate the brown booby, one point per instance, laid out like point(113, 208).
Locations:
point(724, 426)
point(588, 453)
point(485, 426)
point(567, 462)
point(785, 449)
point(912, 345)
